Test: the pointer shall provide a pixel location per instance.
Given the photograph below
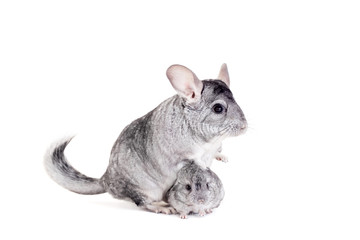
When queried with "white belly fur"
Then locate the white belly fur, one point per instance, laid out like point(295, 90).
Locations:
point(204, 154)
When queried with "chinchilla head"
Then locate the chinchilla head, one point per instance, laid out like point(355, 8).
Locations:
point(209, 105)
point(195, 186)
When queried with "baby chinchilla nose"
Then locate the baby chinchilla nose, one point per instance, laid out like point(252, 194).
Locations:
point(243, 125)
point(201, 200)
point(198, 186)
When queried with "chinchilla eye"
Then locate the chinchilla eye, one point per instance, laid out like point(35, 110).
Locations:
point(188, 187)
point(207, 185)
point(218, 108)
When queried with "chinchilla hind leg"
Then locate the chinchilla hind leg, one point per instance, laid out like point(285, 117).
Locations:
point(160, 207)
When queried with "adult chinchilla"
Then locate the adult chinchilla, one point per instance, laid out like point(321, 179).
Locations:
point(149, 152)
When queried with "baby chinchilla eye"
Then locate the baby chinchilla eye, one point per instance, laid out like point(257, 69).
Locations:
point(218, 108)
point(188, 187)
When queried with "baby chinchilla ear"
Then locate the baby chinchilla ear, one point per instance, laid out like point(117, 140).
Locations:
point(224, 75)
point(185, 82)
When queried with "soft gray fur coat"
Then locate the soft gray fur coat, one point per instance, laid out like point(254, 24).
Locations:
point(149, 152)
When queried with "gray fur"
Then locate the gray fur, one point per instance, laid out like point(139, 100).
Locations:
point(149, 152)
point(64, 174)
point(196, 190)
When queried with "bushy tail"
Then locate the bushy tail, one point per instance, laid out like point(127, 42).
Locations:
point(65, 175)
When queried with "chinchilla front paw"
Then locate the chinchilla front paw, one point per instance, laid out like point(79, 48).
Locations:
point(202, 213)
point(221, 157)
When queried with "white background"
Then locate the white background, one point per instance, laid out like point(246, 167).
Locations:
point(91, 67)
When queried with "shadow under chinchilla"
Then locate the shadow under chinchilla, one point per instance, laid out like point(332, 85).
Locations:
point(116, 204)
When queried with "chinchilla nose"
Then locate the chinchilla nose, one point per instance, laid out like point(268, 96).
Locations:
point(201, 200)
point(243, 125)
point(242, 122)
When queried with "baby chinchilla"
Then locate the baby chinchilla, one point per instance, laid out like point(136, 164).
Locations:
point(196, 190)
point(148, 154)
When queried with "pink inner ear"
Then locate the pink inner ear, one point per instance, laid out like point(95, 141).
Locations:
point(184, 82)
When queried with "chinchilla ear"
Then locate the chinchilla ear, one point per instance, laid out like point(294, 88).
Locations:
point(185, 82)
point(224, 75)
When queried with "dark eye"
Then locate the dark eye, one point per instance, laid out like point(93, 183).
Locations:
point(207, 185)
point(188, 187)
point(218, 108)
